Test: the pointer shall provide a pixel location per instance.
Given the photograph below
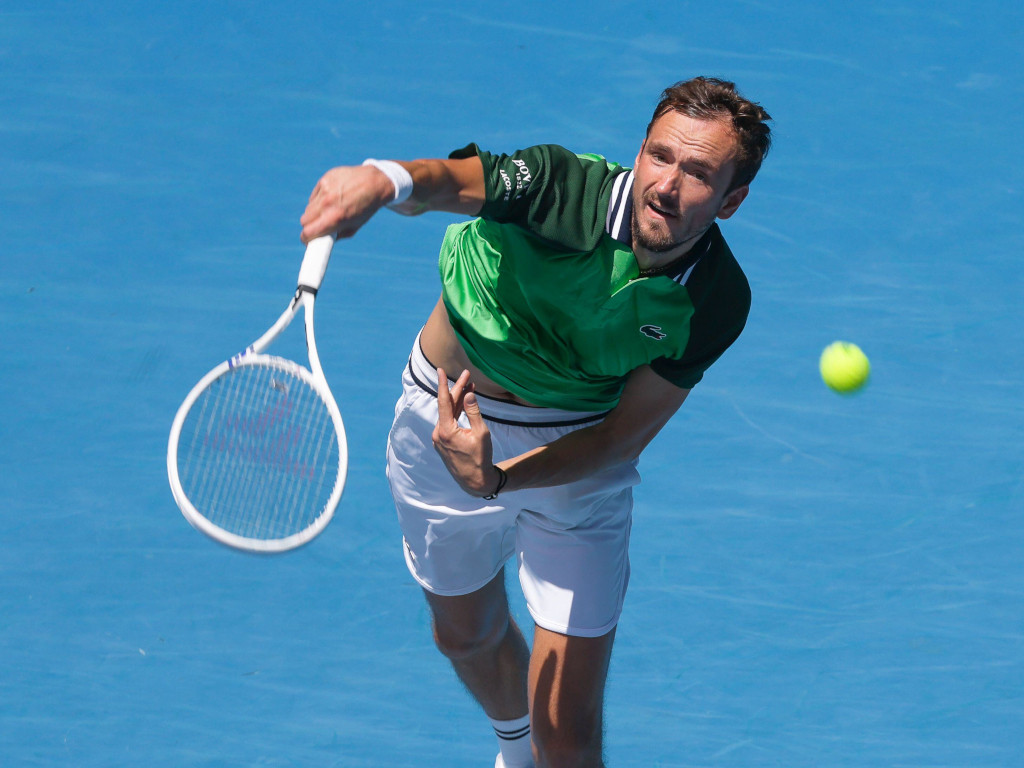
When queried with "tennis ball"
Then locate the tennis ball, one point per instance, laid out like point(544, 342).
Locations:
point(844, 367)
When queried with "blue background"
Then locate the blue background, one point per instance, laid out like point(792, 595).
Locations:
point(817, 580)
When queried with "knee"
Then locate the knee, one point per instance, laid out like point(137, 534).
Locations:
point(467, 638)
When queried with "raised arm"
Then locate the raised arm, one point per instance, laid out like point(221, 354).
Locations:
point(346, 197)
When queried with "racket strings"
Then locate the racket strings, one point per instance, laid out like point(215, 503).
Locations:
point(259, 453)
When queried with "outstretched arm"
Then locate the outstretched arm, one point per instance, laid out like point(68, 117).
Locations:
point(647, 403)
point(346, 197)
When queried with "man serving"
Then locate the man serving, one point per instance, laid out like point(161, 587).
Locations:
point(578, 309)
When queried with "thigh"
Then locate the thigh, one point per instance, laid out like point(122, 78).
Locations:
point(575, 577)
point(454, 543)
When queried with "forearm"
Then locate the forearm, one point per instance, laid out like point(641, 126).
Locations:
point(570, 458)
point(646, 405)
point(345, 198)
point(454, 186)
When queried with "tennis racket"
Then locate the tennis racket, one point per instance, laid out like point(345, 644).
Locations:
point(257, 456)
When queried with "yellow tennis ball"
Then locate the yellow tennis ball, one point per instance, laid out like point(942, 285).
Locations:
point(844, 367)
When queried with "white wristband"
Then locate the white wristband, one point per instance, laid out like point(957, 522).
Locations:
point(398, 175)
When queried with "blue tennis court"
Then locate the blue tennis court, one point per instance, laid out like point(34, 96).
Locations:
point(817, 580)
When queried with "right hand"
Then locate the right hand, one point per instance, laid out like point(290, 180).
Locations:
point(344, 199)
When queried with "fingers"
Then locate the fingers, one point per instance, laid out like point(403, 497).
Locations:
point(459, 390)
point(313, 228)
point(343, 200)
point(472, 409)
point(466, 453)
point(450, 397)
point(315, 219)
point(445, 404)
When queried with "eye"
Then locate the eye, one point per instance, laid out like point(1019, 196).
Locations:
point(657, 155)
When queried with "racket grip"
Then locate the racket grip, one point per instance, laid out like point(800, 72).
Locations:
point(314, 263)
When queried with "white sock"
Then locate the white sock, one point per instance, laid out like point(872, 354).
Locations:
point(514, 742)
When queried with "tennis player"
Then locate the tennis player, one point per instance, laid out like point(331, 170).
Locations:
point(579, 307)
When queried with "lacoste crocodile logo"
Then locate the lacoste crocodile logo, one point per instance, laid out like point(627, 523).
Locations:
point(653, 332)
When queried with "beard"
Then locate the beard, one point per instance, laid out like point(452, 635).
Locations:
point(661, 240)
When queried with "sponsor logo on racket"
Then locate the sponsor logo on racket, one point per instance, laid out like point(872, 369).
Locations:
point(266, 440)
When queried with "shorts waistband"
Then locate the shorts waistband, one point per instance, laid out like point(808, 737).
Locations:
point(424, 374)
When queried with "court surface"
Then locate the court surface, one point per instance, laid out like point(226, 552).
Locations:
point(817, 580)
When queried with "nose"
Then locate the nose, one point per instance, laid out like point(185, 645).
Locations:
point(666, 184)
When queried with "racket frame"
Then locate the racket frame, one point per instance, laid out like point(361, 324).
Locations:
point(311, 274)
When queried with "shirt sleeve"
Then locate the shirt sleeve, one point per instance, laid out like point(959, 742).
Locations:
point(687, 371)
point(557, 195)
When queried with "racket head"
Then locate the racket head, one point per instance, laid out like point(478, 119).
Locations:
point(257, 456)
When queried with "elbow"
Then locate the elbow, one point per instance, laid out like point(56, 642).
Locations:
point(628, 452)
point(620, 449)
point(632, 455)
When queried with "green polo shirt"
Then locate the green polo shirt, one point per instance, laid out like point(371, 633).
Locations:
point(544, 292)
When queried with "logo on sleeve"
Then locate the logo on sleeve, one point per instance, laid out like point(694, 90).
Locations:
point(653, 332)
point(523, 178)
point(523, 175)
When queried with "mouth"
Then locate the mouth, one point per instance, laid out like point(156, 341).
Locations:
point(658, 211)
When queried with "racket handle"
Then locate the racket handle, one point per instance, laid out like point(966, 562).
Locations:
point(314, 263)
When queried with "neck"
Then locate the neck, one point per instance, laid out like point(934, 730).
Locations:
point(649, 261)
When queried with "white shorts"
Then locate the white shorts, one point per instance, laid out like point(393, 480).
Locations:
point(571, 541)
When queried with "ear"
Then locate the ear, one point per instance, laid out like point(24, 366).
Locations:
point(732, 201)
point(638, 154)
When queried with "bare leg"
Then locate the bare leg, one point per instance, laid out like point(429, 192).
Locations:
point(564, 680)
point(486, 648)
point(567, 681)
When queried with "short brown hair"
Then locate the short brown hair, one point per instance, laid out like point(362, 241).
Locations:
point(709, 98)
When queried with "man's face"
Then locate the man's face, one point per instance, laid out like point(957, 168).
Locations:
point(681, 178)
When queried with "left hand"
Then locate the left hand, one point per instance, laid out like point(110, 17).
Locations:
point(466, 452)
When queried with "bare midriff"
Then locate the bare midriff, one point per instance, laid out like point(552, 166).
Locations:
point(444, 350)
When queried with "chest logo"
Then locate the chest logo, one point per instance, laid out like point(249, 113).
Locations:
point(653, 332)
